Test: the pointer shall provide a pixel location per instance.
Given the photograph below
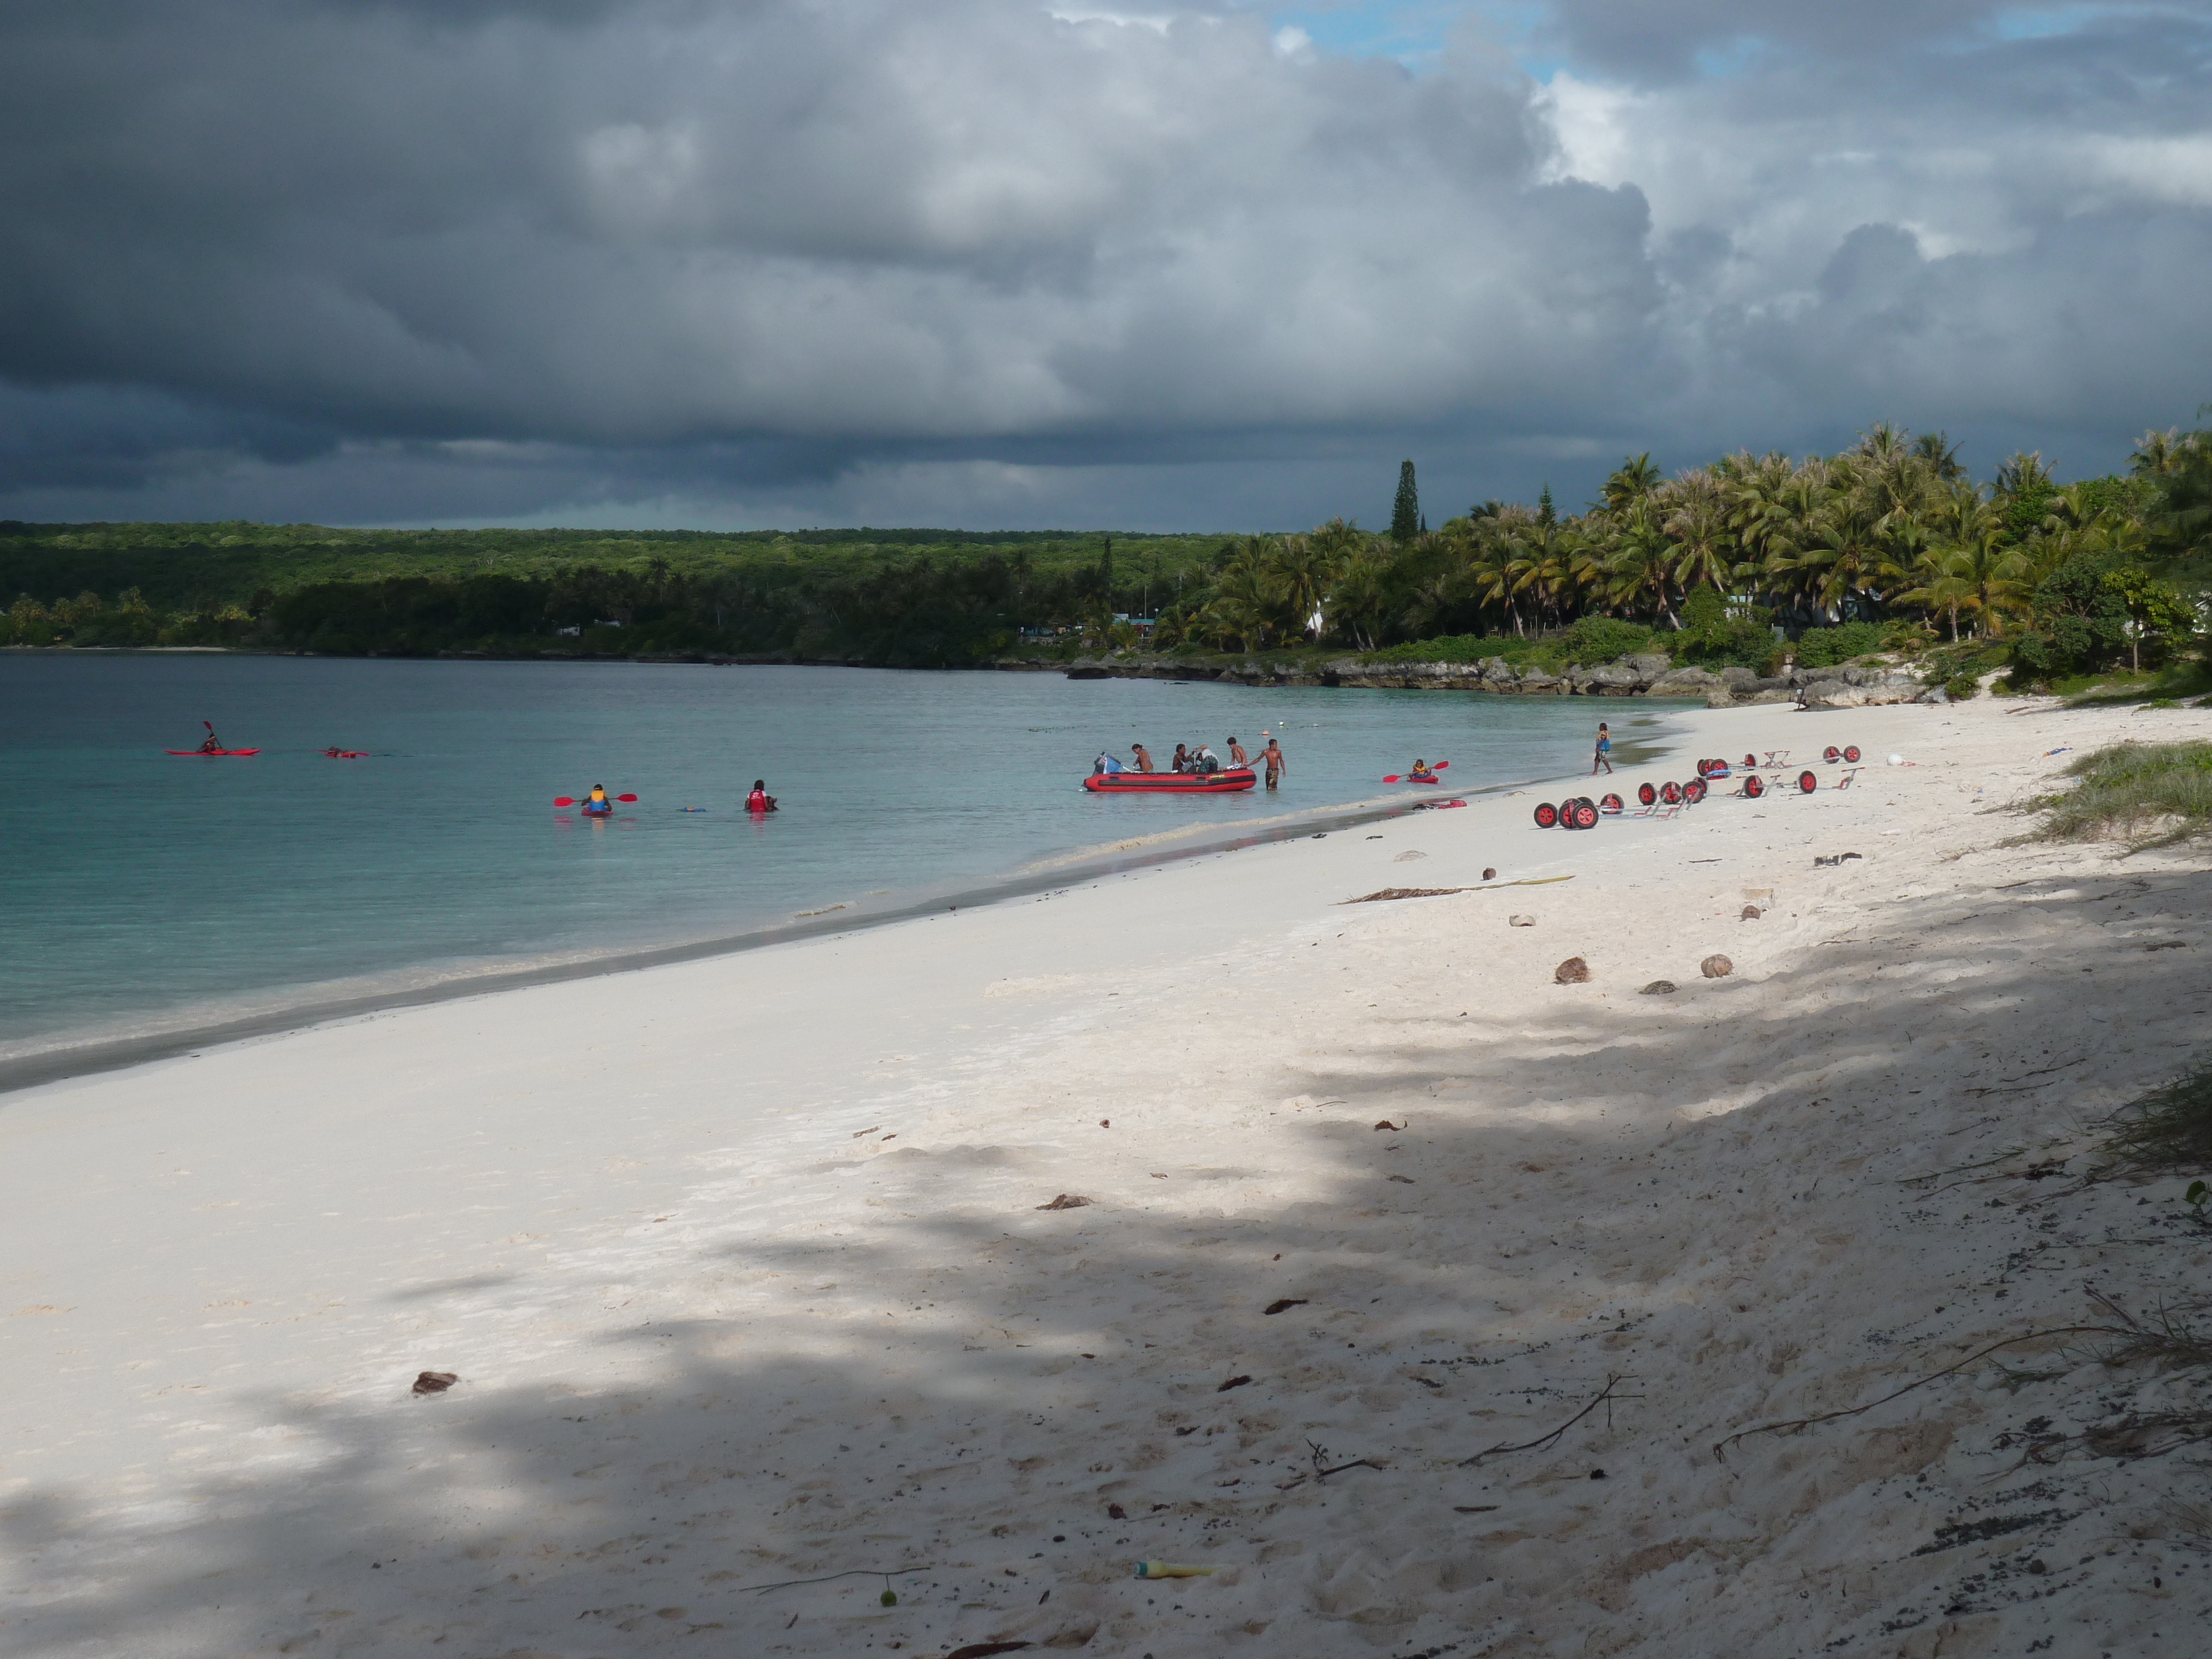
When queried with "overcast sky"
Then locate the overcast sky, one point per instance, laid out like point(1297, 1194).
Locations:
point(1042, 262)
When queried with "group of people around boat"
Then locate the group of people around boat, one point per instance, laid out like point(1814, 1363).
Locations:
point(1200, 760)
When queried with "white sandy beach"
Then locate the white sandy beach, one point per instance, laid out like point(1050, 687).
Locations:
point(742, 1268)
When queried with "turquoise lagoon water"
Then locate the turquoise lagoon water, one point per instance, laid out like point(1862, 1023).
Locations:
point(146, 892)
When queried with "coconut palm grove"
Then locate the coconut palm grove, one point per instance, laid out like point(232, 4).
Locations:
point(1889, 544)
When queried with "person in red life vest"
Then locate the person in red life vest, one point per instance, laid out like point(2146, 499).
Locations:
point(760, 800)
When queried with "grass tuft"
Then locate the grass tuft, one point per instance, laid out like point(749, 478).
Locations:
point(2169, 1129)
point(2152, 793)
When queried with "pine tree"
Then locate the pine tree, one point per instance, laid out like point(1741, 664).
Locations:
point(1545, 515)
point(1405, 511)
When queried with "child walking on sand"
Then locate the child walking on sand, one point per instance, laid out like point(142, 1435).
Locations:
point(1604, 750)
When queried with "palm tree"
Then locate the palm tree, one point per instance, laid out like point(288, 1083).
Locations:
point(1639, 566)
point(1941, 455)
point(1972, 564)
point(1490, 563)
point(1302, 571)
point(1631, 481)
point(1759, 506)
point(1544, 563)
point(1359, 593)
point(1697, 523)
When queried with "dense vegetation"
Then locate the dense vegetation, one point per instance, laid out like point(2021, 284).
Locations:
point(906, 597)
point(1886, 543)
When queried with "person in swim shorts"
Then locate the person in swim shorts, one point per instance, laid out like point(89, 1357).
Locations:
point(1604, 755)
point(1272, 758)
point(1237, 758)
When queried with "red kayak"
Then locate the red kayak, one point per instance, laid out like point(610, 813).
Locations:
point(1184, 783)
point(210, 751)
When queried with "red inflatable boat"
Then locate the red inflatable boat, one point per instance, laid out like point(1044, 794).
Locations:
point(1184, 783)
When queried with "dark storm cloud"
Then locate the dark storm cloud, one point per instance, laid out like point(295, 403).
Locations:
point(420, 259)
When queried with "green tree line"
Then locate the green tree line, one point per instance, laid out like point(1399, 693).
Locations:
point(1888, 540)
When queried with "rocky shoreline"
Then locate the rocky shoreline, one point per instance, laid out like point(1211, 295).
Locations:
point(1849, 685)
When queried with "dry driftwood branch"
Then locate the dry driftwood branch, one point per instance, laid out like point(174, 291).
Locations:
point(1321, 1457)
point(1606, 1397)
point(1445, 892)
point(1794, 1424)
point(854, 1572)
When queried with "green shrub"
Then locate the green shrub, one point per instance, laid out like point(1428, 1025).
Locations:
point(1711, 638)
point(1453, 648)
point(1960, 687)
point(1824, 647)
point(1596, 640)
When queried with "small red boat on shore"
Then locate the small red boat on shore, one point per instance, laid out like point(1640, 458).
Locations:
point(1170, 783)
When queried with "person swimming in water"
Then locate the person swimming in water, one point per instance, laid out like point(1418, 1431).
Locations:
point(760, 800)
point(596, 805)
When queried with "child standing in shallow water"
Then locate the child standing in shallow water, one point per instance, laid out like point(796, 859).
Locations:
point(1604, 757)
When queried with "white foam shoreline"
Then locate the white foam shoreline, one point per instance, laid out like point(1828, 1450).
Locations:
point(741, 1263)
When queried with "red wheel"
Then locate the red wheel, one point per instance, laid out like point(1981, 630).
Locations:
point(1750, 761)
point(1832, 754)
point(1671, 793)
point(1585, 815)
point(1702, 766)
point(1610, 804)
point(1807, 782)
point(1694, 792)
point(1753, 787)
point(1851, 753)
point(1646, 793)
point(1546, 815)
